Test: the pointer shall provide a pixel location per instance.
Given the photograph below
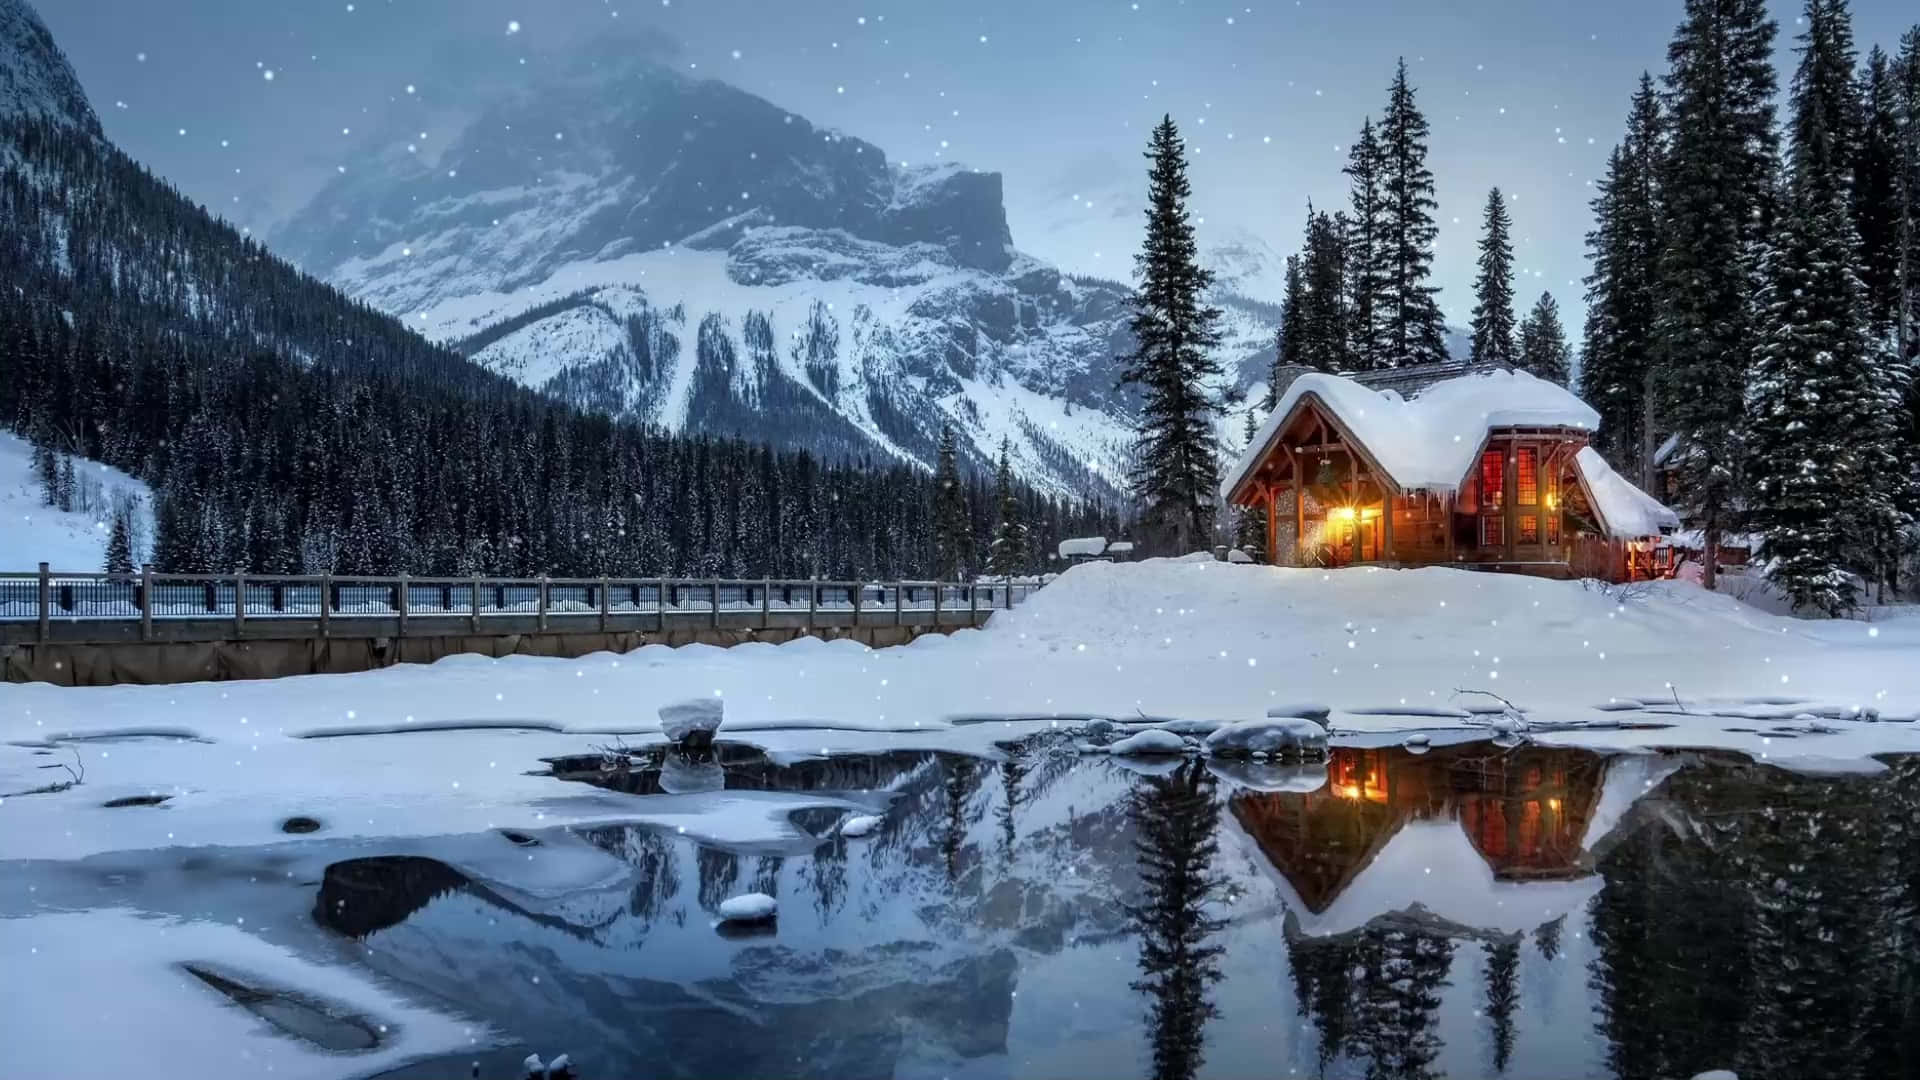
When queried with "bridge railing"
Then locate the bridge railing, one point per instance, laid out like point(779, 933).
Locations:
point(49, 597)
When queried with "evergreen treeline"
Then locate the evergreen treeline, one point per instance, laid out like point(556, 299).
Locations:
point(1756, 312)
point(284, 428)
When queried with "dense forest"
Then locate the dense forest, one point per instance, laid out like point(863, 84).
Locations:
point(285, 428)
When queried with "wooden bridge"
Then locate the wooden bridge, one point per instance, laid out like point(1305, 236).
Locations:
point(55, 622)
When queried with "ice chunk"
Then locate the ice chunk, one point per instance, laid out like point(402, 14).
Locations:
point(860, 825)
point(1151, 741)
point(1280, 736)
point(750, 907)
point(693, 721)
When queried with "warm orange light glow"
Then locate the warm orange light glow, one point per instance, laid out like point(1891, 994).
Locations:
point(1347, 791)
point(1555, 803)
point(1344, 513)
point(1552, 501)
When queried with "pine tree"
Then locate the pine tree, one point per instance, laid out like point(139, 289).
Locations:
point(1877, 210)
point(46, 468)
point(1250, 533)
point(1543, 343)
point(1176, 467)
point(953, 533)
point(1503, 996)
point(1818, 413)
point(1365, 258)
point(1323, 270)
point(1493, 289)
point(119, 547)
point(1009, 554)
point(1289, 342)
point(1413, 331)
point(67, 487)
point(1623, 294)
point(1716, 208)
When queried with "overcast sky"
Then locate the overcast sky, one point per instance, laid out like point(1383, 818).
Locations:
point(1055, 94)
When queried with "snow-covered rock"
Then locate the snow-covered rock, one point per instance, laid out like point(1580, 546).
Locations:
point(1280, 736)
point(1305, 710)
point(860, 825)
point(748, 907)
point(1190, 726)
point(692, 721)
point(535, 1068)
point(1150, 742)
point(1235, 555)
point(1265, 776)
point(1717, 1074)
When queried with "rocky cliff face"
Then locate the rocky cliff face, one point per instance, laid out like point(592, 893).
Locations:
point(680, 251)
point(35, 78)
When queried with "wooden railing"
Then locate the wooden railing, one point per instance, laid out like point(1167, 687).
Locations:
point(47, 605)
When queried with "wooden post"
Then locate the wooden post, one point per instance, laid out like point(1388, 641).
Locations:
point(1446, 516)
point(1386, 527)
point(403, 600)
point(1510, 502)
point(541, 602)
point(715, 586)
point(899, 603)
point(938, 588)
point(474, 605)
point(1299, 518)
point(813, 596)
point(604, 605)
point(239, 603)
point(146, 601)
point(326, 602)
point(973, 605)
point(858, 588)
point(766, 603)
point(46, 600)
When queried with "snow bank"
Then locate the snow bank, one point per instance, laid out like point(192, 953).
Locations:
point(1626, 511)
point(1430, 441)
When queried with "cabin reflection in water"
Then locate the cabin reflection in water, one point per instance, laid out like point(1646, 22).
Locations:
point(1525, 811)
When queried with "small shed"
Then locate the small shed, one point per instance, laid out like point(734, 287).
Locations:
point(1083, 549)
point(1488, 470)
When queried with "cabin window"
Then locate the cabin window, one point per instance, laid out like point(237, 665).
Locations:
point(1493, 480)
point(1528, 480)
point(1553, 527)
point(1529, 529)
point(1491, 531)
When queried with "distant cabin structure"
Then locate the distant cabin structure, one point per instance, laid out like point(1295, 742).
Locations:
point(1120, 550)
point(1444, 465)
point(1083, 549)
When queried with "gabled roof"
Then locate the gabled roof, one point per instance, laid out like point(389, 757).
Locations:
point(1429, 441)
point(1625, 511)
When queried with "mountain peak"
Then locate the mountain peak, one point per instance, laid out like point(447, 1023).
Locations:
point(35, 78)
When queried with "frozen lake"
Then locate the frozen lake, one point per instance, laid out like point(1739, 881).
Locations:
point(1470, 910)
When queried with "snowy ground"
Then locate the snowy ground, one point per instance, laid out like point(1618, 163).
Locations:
point(445, 750)
point(32, 532)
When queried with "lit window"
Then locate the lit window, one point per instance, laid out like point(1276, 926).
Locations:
point(1528, 478)
point(1529, 529)
point(1493, 482)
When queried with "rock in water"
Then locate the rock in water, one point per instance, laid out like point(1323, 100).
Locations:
point(860, 825)
point(681, 774)
point(1717, 1074)
point(1279, 736)
point(561, 1068)
point(1151, 741)
point(752, 907)
point(536, 1070)
point(692, 723)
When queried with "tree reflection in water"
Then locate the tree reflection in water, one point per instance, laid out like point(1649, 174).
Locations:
point(1174, 819)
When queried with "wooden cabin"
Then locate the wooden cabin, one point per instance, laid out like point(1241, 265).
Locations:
point(1490, 470)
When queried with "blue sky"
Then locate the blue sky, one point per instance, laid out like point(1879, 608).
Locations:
point(1055, 94)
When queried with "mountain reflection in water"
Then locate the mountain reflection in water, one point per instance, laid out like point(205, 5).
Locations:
point(1468, 911)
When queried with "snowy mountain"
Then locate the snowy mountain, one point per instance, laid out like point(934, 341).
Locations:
point(35, 78)
point(31, 532)
point(676, 250)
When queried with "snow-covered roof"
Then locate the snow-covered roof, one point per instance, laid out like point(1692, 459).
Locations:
point(1120, 547)
point(1085, 546)
point(1625, 510)
point(1666, 451)
point(1427, 441)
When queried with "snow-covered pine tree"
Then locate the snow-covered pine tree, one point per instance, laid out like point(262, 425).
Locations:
point(1493, 289)
point(1009, 555)
point(1176, 467)
point(46, 466)
point(1622, 294)
point(120, 547)
point(1877, 210)
point(953, 533)
point(1907, 95)
point(1365, 262)
point(1543, 343)
point(1819, 417)
point(1412, 328)
point(1250, 525)
point(1323, 270)
point(1715, 202)
point(1289, 341)
point(67, 487)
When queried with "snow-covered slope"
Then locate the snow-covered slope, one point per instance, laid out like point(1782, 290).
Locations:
point(35, 79)
point(32, 532)
point(674, 249)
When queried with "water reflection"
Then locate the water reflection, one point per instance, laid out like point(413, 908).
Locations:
point(1470, 911)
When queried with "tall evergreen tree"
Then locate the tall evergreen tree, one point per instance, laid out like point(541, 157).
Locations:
point(1503, 996)
point(1493, 290)
point(1877, 206)
point(1623, 291)
point(1413, 330)
point(1009, 554)
point(1366, 263)
point(953, 529)
point(119, 547)
point(1175, 821)
point(1289, 342)
point(1819, 417)
point(1907, 94)
point(1543, 343)
point(1323, 270)
point(1716, 208)
point(1176, 468)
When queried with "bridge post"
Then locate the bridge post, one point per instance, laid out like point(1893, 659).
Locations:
point(239, 604)
point(326, 603)
point(543, 602)
point(899, 593)
point(401, 600)
point(766, 602)
point(46, 600)
point(938, 588)
point(973, 605)
point(146, 601)
point(813, 599)
point(858, 588)
point(715, 586)
point(473, 603)
point(604, 604)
